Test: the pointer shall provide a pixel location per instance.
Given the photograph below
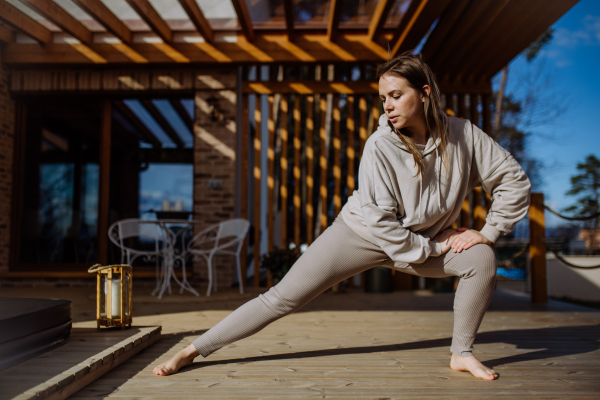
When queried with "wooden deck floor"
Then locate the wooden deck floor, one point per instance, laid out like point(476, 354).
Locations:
point(364, 346)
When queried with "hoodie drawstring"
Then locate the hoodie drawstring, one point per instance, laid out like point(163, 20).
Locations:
point(439, 188)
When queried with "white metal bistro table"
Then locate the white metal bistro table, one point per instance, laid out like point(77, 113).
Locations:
point(174, 254)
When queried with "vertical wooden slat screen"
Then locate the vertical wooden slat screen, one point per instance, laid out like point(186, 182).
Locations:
point(462, 105)
point(310, 103)
point(244, 184)
point(284, 167)
point(271, 167)
point(362, 105)
point(323, 163)
point(297, 175)
point(474, 109)
point(257, 188)
point(337, 174)
point(350, 146)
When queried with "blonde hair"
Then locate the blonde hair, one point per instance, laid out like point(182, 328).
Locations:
point(418, 74)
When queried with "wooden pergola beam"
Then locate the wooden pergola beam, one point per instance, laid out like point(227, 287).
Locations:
point(183, 114)
point(244, 18)
point(152, 18)
point(379, 17)
point(14, 17)
point(288, 9)
point(137, 123)
point(443, 28)
point(335, 12)
point(197, 17)
point(162, 121)
point(106, 18)
point(6, 35)
point(61, 18)
point(406, 24)
point(432, 10)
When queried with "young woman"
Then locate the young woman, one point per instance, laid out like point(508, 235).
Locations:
point(415, 172)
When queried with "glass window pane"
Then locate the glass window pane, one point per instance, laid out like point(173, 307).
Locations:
point(125, 13)
point(34, 15)
point(163, 181)
point(219, 13)
point(80, 15)
point(267, 13)
point(357, 14)
point(173, 14)
point(396, 13)
point(311, 13)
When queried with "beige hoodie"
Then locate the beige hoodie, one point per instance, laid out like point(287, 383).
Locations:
point(401, 211)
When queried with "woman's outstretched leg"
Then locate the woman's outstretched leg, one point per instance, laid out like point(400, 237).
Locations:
point(337, 254)
point(476, 268)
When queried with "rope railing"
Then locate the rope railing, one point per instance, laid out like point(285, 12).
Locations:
point(589, 217)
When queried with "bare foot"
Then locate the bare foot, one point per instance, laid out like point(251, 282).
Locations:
point(182, 359)
point(472, 365)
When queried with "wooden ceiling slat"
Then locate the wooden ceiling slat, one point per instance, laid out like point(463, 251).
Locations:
point(106, 18)
point(152, 18)
point(406, 24)
point(164, 124)
point(433, 9)
point(20, 21)
point(443, 28)
point(6, 35)
point(512, 13)
point(288, 8)
point(61, 18)
point(137, 123)
point(553, 10)
point(335, 12)
point(183, 114)
point(244, 18)
point(465, 25)
point(197, 17)
point(378, 19)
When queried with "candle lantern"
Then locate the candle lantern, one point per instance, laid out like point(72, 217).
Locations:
point(113, 295)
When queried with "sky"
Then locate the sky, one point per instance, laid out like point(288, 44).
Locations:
point(568, 71)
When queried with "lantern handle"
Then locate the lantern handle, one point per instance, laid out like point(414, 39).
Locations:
point(98, 267)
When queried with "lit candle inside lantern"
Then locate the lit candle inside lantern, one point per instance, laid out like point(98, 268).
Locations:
point(116, 298)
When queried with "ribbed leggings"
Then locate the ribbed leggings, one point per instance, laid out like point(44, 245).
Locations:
point(339, 253)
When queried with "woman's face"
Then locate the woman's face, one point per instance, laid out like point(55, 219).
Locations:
point(402, 104)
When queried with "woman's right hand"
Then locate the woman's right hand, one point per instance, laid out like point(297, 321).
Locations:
point(446, 237)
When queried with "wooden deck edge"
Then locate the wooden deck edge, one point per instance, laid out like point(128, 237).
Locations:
point(75, 274)
point(86, 372)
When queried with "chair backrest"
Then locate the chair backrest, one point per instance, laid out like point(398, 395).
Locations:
point(137, 228)
point(237, 227)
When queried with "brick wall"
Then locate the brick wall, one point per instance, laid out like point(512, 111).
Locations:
point(215, 160)
point(7, 123)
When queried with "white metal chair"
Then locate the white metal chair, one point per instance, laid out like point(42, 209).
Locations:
point(209, 243)
point(136, 237)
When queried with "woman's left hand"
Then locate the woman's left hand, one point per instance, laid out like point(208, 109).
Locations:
point(468, 238)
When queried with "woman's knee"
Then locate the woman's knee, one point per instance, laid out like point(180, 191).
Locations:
point(485, 258)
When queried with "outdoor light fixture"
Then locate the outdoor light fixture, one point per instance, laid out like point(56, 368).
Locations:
point(216, 114)
point(113, 295)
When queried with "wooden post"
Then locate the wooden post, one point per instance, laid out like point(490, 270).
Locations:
point(257, 179)
point(284, 169)
point(450, 104)
point(486, 113)
point(537, 249)
point(479, 212)
point(297, 174)
point(362, 131)
point(310, 126)
point(244, 184)
point(462, 105)
point(337, 171)
point(474, 110)
point(271, 167)
point(323, 163)
point(104, 185)
point(350, 146)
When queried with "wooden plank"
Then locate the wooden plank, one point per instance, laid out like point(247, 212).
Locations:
point(244, 18)
point(378, 18)
point(257, 180)
point(337, 172)
point(350, 183)
point(310, 87)
point(406, 24)
point(288, 10)
point(164, 124)
point(137, 124)
point(284, 170)
point(486, 113)
point(335, 11)
point(474, 104)
point(104, 183)
point(197, 17)
point(462, 105)
point(61, 18)
point(6, 35)
point(323, 163)
point(16, 18)
point(362, 130)
point(244, 184)
point(152, 18)
point(479, 212)
point(271, 172)
point(183, 114)
point(310, 127)
point(296, 171)
point(443, 28)
point(106, 18)
point(537, 249)
point(465, 25)
point(431, 12)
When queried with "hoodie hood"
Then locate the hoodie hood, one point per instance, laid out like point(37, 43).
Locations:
point(386, 131)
